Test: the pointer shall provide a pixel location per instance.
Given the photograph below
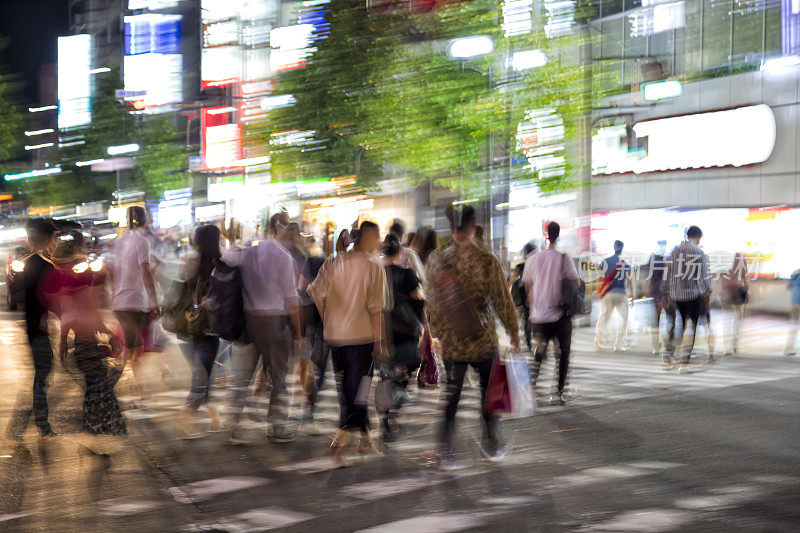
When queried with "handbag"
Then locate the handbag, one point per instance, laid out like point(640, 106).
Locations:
point(364, 387)
point(498, 395)
point(572, 295)
point(429, 370)
point(188, 317)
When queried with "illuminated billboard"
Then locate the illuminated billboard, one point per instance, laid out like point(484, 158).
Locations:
point(153, 61)
point(733, 137)
point(221, 140)
point(74, 86)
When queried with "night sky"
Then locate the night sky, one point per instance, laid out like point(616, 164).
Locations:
point(32, 27)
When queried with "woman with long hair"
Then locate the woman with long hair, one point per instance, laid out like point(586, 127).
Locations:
point(204, 345)
point(350, 293)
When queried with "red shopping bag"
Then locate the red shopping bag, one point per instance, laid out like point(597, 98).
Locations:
point(429, 371)
point(498, 394)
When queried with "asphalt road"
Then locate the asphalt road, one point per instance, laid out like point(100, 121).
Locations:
point(637, 449)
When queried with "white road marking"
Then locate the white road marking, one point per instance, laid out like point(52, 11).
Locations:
point(255, 520)
point(206, 489)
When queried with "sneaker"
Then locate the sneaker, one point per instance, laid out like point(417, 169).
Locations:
point(280, 435)
point(234, 439)
point(312, 428)
point(685, 369)
point(667, 362)
point(558, 399)
point(449, 463)
point(496, 455)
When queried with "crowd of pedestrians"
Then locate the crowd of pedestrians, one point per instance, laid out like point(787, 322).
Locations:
point(398, 307)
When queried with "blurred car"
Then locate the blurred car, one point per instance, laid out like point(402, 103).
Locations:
point(15, 287)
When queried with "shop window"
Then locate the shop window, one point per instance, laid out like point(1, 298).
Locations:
point(716, 33)
point(748, 36)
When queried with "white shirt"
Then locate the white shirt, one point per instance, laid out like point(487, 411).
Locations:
point(268, 278)
point(131, 251)
point(544, 271)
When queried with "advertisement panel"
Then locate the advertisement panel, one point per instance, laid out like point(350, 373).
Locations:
point(74, 85)
point(153, 61)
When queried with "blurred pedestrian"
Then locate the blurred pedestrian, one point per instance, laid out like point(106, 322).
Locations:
point(77, 286)
point(204, 345)
point(688, 286)
point(467, 283)
point(425, 243)
point(735, 295)
point(269, 286)
point(351, 295)
point(618, 274)
point(656, 268)
point(408, 256)
point(133, 294)
point(793, 285)
point(38, 267)
point(543, 276)
point(519, 293)
point(404, 327)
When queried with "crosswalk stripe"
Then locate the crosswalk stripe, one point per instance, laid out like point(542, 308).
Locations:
point(255, 520)
point(206, 489)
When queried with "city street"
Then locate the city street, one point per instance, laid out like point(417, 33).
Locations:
point(637, 449)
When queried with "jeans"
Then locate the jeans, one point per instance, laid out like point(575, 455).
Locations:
point(351, 364)
point(561, 330)
point(455, 382)
point(613, 300)
point(204, 352)
point(272, 342)
point(42, 355)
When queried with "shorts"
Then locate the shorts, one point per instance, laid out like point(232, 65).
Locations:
point(132, 324)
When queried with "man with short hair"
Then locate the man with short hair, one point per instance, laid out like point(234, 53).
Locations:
point(269, 285)
point(615, 299)
point(688, 285)
point(38, 266)
point(542, 276)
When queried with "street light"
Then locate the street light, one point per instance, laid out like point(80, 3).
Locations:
point(473, 47)
point(123, 149)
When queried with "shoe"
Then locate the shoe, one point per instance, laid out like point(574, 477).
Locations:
point(788, 353)
point(367, 445)
point(623, 348)
point(85, 451)
point(656, 352)
point(496, 455)
point(216, 425)
point(711, 360)
point(234, 439)
point(448, 463)
point(667, 362)
point(280, 435)
point(558, 399)
point(341, 441)
point(684, 369)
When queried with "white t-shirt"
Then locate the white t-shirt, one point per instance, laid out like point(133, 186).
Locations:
point(544, 271)
point(131, 251)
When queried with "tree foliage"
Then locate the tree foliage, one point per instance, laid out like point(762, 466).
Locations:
point(11, 115)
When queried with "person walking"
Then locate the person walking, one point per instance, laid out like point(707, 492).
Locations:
point(38, 267)
point(203, 347)
point(467, 282)
point(350, 293)
point(656, 270)
point(736, 292)
point(543, 276)
point(793, 285)
point(404, 326)
point(269, 287)
point(408, 255)
point(133, 293)
point(688, 286)
point(520, 294)
point(76, 288)
point(618, 281)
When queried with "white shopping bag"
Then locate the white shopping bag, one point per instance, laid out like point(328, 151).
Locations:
point(523, 402)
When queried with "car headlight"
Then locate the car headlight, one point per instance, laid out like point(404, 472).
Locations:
point(96, 265)
point(80, 268)
point(17, 265)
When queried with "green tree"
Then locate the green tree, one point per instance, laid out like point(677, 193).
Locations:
point(11, 115)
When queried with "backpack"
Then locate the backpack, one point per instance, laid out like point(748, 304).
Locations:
point(572, 295)
point(226, 301)
point(188, 317)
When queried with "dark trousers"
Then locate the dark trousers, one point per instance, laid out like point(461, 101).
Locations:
point(690, 311)
point(42, 355)
point(204, 353)
point(351, 364)
point(455, 382)
point(561, 331)
point(318, 351)
point(526, 315)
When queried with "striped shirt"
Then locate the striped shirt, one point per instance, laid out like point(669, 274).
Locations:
point(687, 273)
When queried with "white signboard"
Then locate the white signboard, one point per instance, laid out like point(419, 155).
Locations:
point(734, 137)
point(74, 87)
